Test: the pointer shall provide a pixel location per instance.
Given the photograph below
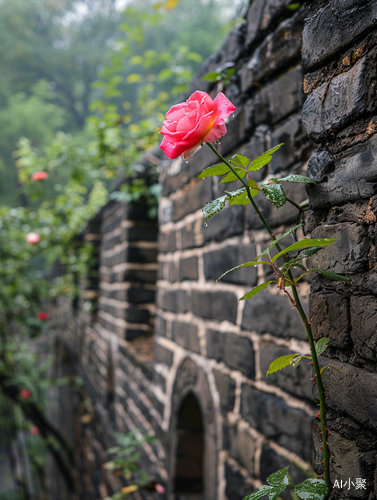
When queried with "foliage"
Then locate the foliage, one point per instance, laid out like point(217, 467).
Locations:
point(125, 461)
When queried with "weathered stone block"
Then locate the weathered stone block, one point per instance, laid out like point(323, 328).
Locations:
point(235, 351)
point(193, 199)
point(162, 355)
point(172, 300)
point(227, 223)
point(236, 485)
point(186, 335)
point(226, 387)
point(260, 15)
point(218, 262)
point(353, 391)
point(349, 254)
point(221, 306)
point(348, 181)
point(188, 269)
point(363, 325)
point(284, 322)
point(166, 242)
point(270, 462)
point(242, 446)
point(293, 379)
point(332, 106)
point(333, 27)
point(160, 326)
point(321, 163)
point(280, 99)
point(330, 317)
point(270, 415)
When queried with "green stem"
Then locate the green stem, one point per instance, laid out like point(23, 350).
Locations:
point(318, 378)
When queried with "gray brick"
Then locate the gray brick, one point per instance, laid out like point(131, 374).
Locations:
point(221, 306)
point(334, 26)
point(293, 379)
point(219, 261)
point(188, 268)
point(363, 324)
point(345, 101)
point(348, 182)
point(235, 351)
point(162, 355)
point(349, 254)
point(330, 317)
point(226, 387)
point(270, 415)
point(284, 322)
point(186, 335)
point(194, 199)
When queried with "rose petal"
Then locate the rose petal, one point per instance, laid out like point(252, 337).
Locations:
point(223, 106)
point(216, 133)
point(186, 155)
point(176, 112)
point(172, 151)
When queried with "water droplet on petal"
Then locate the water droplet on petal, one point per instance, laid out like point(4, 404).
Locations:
point(186, 161)
point(205, 224)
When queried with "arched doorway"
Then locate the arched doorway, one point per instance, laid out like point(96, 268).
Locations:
point(192, 438)
point(188, 477)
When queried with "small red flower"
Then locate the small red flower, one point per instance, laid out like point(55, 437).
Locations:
point(25, 394)
point(39, 176)
point(32, 238)
point(42, 316)
point(34, 430)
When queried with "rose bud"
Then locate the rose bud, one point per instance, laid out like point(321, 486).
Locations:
point(39, 176)
point(34, 430)
point(25, 394)
point(189, 124)
point(32, 238)
point(42, 316)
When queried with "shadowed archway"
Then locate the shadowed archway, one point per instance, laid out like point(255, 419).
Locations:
point(188, 478)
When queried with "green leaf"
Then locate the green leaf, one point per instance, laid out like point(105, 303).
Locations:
point(300, 256)
point(297, 360)
point(330, 275)
point(312, 489)
point(256, 290)
point(232, 177)
point(243, 198)
point(267, 250)
point(281, 363)
point(279, 477)
point(305, 243)
point(263, 159)
point(321, 345)
point(259, 493)
point(213, 76)
point(240, 161)
point(274, 193)
point(296, 178)
point(293, 6)
point(219, 169)
point(212, 207)
point(246, 264)
point(330, 366)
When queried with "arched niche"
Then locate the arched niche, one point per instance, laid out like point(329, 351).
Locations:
point(192, 436)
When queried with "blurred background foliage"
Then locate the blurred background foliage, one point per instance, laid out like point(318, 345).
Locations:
point(84, 86)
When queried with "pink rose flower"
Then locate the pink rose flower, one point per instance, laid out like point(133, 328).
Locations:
point(32, 238)
point(24, 394)
point(188, 124)
point(39, 176)
point(42, 316)
point(34, 430)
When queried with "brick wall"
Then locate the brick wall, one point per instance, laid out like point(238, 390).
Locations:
point(339, 56)
point(144, 357)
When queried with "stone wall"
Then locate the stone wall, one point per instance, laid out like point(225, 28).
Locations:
point(339, 58)
point(190, 368)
